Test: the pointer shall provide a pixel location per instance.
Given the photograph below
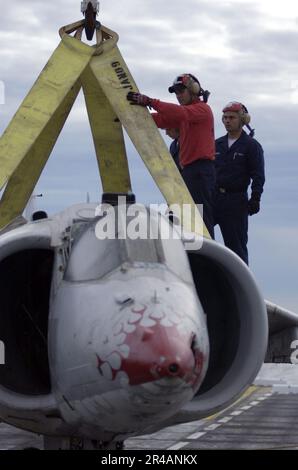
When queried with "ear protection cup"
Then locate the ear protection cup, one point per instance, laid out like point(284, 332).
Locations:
point(192, 84)
point(245, 119)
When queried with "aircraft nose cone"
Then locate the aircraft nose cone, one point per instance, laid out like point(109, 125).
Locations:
point(162, 352)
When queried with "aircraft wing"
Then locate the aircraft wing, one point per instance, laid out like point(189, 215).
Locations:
point(280, 318)
point(283, 331)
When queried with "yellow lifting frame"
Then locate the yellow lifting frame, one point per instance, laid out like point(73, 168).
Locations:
point(33, 131)
point(22, 182)
point(114, 78)
point(107, 136)
point(27, 142)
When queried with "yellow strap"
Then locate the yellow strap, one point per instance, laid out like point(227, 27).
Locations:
point(107, 136)
point(106, 39)
point(55, 81)
point(28, 137)
point(115, 80)
point(22, 182)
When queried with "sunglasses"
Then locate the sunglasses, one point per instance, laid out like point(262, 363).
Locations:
point(179, 88)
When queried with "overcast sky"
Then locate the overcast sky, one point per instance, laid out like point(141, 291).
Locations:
point(240, 50)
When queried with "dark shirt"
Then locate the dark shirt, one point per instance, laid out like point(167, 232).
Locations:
point(240, 165)
point(174, 151)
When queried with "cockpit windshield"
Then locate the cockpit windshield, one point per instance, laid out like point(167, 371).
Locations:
point(94, 255)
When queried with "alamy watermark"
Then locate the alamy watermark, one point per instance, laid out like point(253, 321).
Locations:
point(2, 92)
point(294, 355)
point(2, 353)
point(157, 221)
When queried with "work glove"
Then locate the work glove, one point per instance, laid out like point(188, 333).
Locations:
point(137, 98)
point(254, 204)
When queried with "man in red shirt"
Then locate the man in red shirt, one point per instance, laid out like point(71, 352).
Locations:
point(194, 119)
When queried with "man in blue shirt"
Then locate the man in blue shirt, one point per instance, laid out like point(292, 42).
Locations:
point(239, 164)
point(174, 147)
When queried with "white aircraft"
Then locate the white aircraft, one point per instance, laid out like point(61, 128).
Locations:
point(110, 338)
point(106, 338)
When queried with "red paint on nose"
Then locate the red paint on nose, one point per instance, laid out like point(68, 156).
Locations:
point(162, 352)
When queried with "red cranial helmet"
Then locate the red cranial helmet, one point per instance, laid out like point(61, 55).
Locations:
point(237, 107)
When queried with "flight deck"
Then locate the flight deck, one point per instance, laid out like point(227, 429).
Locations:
point(265, 417)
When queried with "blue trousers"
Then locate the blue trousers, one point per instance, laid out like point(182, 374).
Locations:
point(230, 213)
point(199, 178)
